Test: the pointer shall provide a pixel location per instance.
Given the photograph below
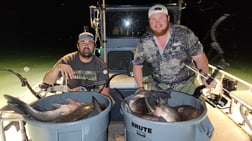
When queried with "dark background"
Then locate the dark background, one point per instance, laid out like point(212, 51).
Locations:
point(53, 25)
point(36, 33)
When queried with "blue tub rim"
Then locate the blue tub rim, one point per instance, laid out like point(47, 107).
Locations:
point(196, 120)
point(43, 123)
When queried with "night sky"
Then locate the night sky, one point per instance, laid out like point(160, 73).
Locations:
point(28, 23)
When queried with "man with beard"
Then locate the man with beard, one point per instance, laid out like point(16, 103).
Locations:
point(168, 47)
point(80, 68)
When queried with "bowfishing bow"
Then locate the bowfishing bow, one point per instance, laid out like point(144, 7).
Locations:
point(24, 81)
point(222, 63)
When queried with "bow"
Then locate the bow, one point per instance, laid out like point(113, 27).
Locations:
point(24, 81)
point(222, 63)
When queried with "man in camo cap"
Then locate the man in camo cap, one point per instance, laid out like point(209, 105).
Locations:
point(168, 48)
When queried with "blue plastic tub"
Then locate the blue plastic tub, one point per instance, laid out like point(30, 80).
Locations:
point(90, 129)
point(198, 129)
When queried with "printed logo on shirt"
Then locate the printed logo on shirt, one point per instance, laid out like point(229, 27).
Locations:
point(85, 75)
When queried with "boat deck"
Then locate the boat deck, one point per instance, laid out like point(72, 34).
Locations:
point(225, 127)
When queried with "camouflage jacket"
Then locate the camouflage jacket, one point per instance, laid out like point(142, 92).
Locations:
point(169, 67)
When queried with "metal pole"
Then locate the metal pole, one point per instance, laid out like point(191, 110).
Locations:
point(104, 31)
point(180, 10)
point(2, 135)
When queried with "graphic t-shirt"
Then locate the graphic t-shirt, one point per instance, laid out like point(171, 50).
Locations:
point(86, 74)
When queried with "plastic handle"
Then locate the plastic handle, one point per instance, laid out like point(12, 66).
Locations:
point(213, 75)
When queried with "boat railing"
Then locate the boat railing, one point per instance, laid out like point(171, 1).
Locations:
point(239, 107)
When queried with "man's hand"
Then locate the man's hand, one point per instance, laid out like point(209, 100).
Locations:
point(139, 90)
point(212, 84)
point(65, 70)
point(56, 72)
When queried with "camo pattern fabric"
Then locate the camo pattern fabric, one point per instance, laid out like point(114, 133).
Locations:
point(168, 67)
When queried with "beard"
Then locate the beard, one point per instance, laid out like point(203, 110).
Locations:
point(162, 32)
point(86, 53)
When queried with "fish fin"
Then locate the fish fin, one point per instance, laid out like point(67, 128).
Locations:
point(161, 119)
point(55, 105)
point(15, 109)
point(161, 100)
point(16, 105)
point(12, 99)
point(69, 100)
point(97, 106)
point(127, 106)
point(39, 108)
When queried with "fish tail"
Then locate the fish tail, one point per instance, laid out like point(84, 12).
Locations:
point(17, 105)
